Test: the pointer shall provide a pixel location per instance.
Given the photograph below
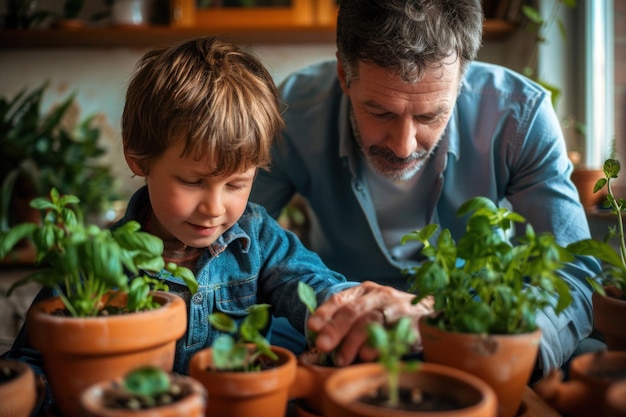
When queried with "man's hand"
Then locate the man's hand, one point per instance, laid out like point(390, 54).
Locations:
point(342, 320)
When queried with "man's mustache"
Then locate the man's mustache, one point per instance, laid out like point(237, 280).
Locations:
point(392, 158)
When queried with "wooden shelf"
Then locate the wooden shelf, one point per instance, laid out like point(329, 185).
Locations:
point(153, 35)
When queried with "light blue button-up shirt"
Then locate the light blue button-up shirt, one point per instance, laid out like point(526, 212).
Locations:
point(503, 141)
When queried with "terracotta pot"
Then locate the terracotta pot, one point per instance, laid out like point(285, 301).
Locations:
point(584, 180)
point(347, 385)
point(18, 395)
point(309, 378)
point(505, 362)
point(609, 317)
point(79, 352)
point(244, 394)
point(192, 405)
point(615, 405)
point(591, 374)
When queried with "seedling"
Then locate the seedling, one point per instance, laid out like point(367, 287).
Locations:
point(309, 298)
point(392, 345)
point(149, 384)
point(240, 348)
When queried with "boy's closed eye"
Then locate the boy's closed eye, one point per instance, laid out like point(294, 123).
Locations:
point(188, 181)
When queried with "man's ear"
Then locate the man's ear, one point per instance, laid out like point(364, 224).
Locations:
point(341, 74)
point(134, 165)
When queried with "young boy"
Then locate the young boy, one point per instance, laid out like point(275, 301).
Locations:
point(198, 122)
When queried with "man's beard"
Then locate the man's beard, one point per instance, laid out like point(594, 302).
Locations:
point(373, 155)
point(417, 159)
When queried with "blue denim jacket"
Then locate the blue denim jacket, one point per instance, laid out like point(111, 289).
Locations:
point(255, 261)
point(503, 141)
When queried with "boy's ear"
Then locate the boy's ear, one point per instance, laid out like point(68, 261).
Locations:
point(134, 165)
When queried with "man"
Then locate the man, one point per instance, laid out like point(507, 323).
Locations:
point(402, 129)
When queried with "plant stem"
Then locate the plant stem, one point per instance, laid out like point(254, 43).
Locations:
point(618, 209)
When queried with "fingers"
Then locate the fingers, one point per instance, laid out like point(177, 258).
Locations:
point(343, 319)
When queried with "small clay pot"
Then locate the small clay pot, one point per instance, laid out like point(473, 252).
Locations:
point(192, 404)
point(347, 386)
point(591, 375)
point(18, 395)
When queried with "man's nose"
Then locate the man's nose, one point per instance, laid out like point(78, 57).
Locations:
point(402, 140)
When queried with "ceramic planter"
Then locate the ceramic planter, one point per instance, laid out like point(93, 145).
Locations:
point(79, 352)
point(505, 362)
point(310, 377)
point(192, 405)
point(609, 317)
point(584, 180)
point(591, 375)
point(243, 394)
point(344, 388)
point(18, 395)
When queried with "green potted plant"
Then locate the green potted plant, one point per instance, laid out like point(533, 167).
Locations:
point(394, 386)
point(609, 297)
point(241, 371)
point(100, 323)
point(146, 391)
point(45, 150)
point(487, 293)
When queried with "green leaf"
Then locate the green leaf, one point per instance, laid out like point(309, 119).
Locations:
point(9, 239)
point(258, 316)
point(147, 381)
point(611, 168)
point(598, 249)
point(377, 336)
point(307, 296)
point(185, 274)
point(422, 235)
point(223, 322)
point(532, 14)
point(476, 204)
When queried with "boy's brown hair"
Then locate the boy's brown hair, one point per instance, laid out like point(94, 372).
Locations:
point(217, 98)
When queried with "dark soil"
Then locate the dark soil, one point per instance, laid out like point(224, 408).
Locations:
point(105, 311)
point(313, 356)
point(262, 363)
point(118, 398)
point(413, 400)
point(7, 374)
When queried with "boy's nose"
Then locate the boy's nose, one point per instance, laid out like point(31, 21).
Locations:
point(212, 205)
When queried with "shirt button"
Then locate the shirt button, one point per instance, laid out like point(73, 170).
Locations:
point(197, 298)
